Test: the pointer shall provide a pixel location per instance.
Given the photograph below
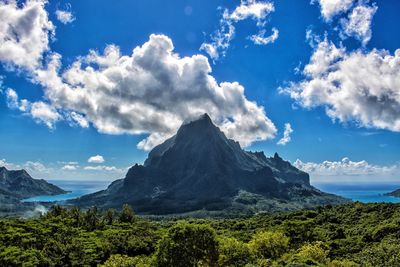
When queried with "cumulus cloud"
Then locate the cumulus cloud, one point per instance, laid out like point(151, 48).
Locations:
point(45, 113)
point(96, 159)
point(40, 111)
point(152, 91)
point(286, 135)
point(358, 23)
point(331, 171)
point(64, 16)
point(248, 9)
point(331, 8)
point(24, 33)
point(361, 87)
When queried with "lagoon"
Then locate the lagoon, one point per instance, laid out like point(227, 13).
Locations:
point(75, 188)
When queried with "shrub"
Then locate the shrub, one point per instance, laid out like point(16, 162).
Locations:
point(269, 245)
point(118, 260)
point(188, 245)
point(317, 252)
point(233, 252)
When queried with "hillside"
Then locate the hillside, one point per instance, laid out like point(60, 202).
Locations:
point(19, 184)
point(347, 235)
point(395, 193)
point(200, 169)
point(16, 185)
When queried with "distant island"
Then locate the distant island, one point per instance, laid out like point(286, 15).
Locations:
point(395, 193)
point(200, 171)
point(16, 185)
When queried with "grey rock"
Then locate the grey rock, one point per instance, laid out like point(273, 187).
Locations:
point(201, 169)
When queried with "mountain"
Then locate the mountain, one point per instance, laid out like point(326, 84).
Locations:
point(395, 193)
point(19, 184)
point(201, 169)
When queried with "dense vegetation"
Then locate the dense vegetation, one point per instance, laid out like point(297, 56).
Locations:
point(348, 235)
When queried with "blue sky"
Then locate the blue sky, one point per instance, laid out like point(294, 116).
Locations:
point(361, 126)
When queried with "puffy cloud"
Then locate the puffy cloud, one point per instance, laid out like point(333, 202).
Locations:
point(64, 16)
point(152, 91)
point(248, 9)
point(346, 167)
point(39, 111)
point(45, 113)
point(24, 33)
point(331, 8)
point(286, 135)
point(251, 9)
point(361, 87)
point(96, 159)
point(358, 23)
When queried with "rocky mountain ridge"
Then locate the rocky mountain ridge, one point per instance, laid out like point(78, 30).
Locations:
point(201, 169)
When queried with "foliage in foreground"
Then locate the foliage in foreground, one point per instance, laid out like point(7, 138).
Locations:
point(342, 236)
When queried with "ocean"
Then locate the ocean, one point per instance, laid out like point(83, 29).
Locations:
point(367, 193)
point(76, 188)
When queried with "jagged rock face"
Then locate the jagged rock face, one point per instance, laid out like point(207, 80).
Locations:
point(21, 185)
point(199, 168)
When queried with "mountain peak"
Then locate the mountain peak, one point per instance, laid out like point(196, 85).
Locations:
point(203, 119)
point(200, 168)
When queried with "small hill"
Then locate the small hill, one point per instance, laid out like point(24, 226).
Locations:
point(395, 193)
point(19, 184)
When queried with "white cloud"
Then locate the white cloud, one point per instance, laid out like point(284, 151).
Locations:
point(152, 91)
point(70, 167)
point(96, 159)
point(346, 167)
point(359, 22)
point(36, 167)
point(30, 166)
point(67, 171)
point(24, 33)
point(39, 111)
point(68, 162)
point(78, 119)
point(8, 165)
point(252, 9)
point(248, 9)
point(286, 135)
point(260, 38)
point(331, 8)
point(361, 87)
point(45, 113)
point(64, 16)
point(103, 168)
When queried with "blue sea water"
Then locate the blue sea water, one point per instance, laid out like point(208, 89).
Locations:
point(75, 188)
point(367, 193)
